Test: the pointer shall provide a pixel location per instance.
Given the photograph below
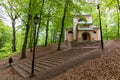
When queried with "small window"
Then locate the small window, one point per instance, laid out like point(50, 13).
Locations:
point(70, 32)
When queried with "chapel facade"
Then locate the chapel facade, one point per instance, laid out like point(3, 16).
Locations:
point(82, 30)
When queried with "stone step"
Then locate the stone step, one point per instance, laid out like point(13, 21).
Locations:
point(53, 61)
point(39, 69)
point(72, 53)
point(20, 71)
point(25, 68)
point(57, 60)
point(83, 44)
point(43, 68)
point(53, 57)
point(80, 51)
point(62, 56)
point(49, 62)
point(58, 56)
point(45, 64)
point(68, 54)
point(35, 67)
point(47, 56)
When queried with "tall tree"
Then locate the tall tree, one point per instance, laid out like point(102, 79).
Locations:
point(47, 27)
point(23, 55)
point(39, 24)
point(31, 39)
point(13, 16)
point(118, 5)
point(63, 20)
point(106, 33)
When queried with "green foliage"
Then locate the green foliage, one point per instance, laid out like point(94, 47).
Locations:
point(5, 34)
point(109, 17)
point(5, 38)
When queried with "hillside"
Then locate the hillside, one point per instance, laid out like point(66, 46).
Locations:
point(106, 67)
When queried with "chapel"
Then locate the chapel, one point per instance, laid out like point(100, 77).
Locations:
point(82, 30)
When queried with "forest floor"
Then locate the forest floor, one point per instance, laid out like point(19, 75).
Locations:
point(107, 67)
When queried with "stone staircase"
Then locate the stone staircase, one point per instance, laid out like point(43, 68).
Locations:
point(49, 62)
point(87, 44)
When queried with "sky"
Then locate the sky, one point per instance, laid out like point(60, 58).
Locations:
point(6, 19)
point(93, 1)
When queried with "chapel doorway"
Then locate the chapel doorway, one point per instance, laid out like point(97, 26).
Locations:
point(86, 36)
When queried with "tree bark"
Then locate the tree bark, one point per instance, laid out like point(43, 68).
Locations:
point(47, 28)
point(23, 55)
point(63, 20)
point(13, 36)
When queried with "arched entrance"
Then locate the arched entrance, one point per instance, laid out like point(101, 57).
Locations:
point(86, 36)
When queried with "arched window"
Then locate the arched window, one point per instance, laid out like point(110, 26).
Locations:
point(80, 20)
point(94, 32)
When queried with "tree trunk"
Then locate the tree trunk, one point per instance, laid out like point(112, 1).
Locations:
point(47, 25)
point(106, 33)
point(39, 24)
point(31, 39)
point(63, 20)
point(118, 16)
point(13, 36)
point(23, 55)
point(13, 18)
point(118, 23)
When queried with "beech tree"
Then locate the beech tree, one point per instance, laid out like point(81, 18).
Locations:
point(63, 20)
point(40, 19)
point(47, 25)
point(23, 55)
point(118, 9)
point(13, 16)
